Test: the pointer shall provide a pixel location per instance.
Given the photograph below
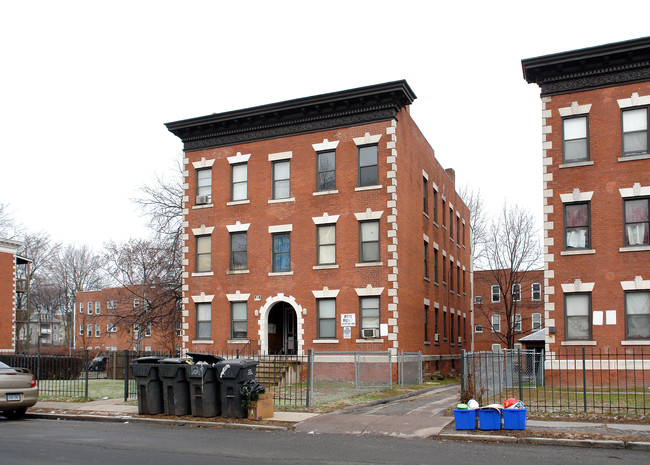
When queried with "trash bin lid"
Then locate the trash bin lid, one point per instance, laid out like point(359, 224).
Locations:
point(231, 368)
point(176, 361)
point(150, 359)
point(207, 358)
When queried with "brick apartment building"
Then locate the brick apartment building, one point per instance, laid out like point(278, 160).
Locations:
point(104, 321)
point(595, 116)
point(14, 317)
point(324, 222)
point(490, 313)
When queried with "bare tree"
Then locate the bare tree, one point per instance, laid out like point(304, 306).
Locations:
point(8, 227)
point(478, 221)
point(512, 248)
point(150, 272)
point(76, 269)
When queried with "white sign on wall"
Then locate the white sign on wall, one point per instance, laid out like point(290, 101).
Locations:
point(348, 319)
point(347, 332)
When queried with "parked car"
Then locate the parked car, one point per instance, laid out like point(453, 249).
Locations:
point(98, 364)
point(18, 390)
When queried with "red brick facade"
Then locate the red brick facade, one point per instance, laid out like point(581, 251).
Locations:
point(486, 305)
point(591, 268)
point(101, 323)
point(266, 303)
point(7, 294)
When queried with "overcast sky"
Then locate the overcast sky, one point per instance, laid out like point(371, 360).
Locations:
point(86, 87)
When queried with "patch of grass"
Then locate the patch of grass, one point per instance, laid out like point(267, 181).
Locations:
point(74, 390)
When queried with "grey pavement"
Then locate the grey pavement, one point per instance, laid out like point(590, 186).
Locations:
point(416, 415)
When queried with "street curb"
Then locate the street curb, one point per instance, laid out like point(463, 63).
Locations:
point(591, 443)
point(475, 437)
point(638, 446)
point(371, 403)
point(160, 421)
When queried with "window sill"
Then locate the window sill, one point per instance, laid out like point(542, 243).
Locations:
point(325, 267)
point(427, 343)
point(203, 273)
point(436, 224)
point(238, 271)
point(578, 252)
point(281, 273)
point(289, 200)
point(325, 341)
point(203, 341)
point(335, 191)
point(427, 279)
point(365, 264)
point(644, 156)
point(367, 188)
point(436, 283)
point(204, 205)
point(237, 202)
point(576, 164)
point(578, 343)
point(371, 341)
point(635, 248)
point(645, 342)
point(238, 341)
point(426, 215)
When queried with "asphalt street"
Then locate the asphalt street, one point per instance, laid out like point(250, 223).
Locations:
point(40, 442)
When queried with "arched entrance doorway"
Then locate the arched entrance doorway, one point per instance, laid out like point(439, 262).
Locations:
point(282, 329)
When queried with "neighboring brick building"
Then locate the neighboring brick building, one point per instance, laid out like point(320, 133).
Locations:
point(595, 118)
point(490, 314)
point(104, 321)
point(324, 222)
point(14, 316)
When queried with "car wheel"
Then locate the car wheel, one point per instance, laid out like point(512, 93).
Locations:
point(16, 414)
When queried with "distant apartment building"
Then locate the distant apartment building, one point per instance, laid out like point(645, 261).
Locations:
point(107, 320)
point(14, 301)
point(490, 316)
point(596, 165)
point(322, 223)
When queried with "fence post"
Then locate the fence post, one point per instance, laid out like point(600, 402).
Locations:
point(390, 369)
point(584, 379)
point(86, 371)
point(126, 375)
point(310, 373)
point(462, 371)
point(521, 389)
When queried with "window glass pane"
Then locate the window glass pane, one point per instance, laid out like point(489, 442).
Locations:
point(327, 181)
point(203, 330)
point(368, 176)
point(281, 243)
point(239, 173)
point(575, 150)
point(577, 305)
point(370, 231)
point(238, 310)
point(370, 252)
point(575, 128)
point(240, 191)
point(637, 303)
point(239, 260)
point(327, 254)
point(281, 262)
point(281, 170)
point(635, 120)
point(203, 244)
point(281, 190)
point(239, 329)
point(326, 161)
point(576, 215)
point(327, 329)
point(326, 234)
point(204, 182)
point(327, 308)
point(238, 242)
point(203, 312)
point(635, 142)
point(203, 263)
point(636, 210)
point(368, 155)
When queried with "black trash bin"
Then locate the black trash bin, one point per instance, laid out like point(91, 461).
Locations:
point(175, 386)
point(150, 394)
point(205, 398)
point(233, 374)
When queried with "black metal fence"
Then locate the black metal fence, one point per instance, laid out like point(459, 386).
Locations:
point(571, 380)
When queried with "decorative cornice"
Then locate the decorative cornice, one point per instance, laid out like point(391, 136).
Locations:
point(590, 68)
point(310, 114)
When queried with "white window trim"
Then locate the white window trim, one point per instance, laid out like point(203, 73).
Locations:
point(203, 230)
point(203, 163)
point(280, 228)
point(280, 156)
point(575, 109)
point(634, 101)
point(639, 284)
point(367, 139)
point(577, 286)
point(577, 196)
point(425, 175)
point(326, 293)
point(369, 291)
point(202, 298)
point(237, 297)
point(369, 215)
point(326, 145)
point(239, 158)
point(635, 191)
point(238, 227)
point(325, 219)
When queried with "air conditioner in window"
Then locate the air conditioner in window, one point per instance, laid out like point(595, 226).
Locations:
point(202, 199)
point(478, 299)
point(436, 337)
point(369, 333)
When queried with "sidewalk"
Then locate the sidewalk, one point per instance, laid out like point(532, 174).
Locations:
point(576, 434)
